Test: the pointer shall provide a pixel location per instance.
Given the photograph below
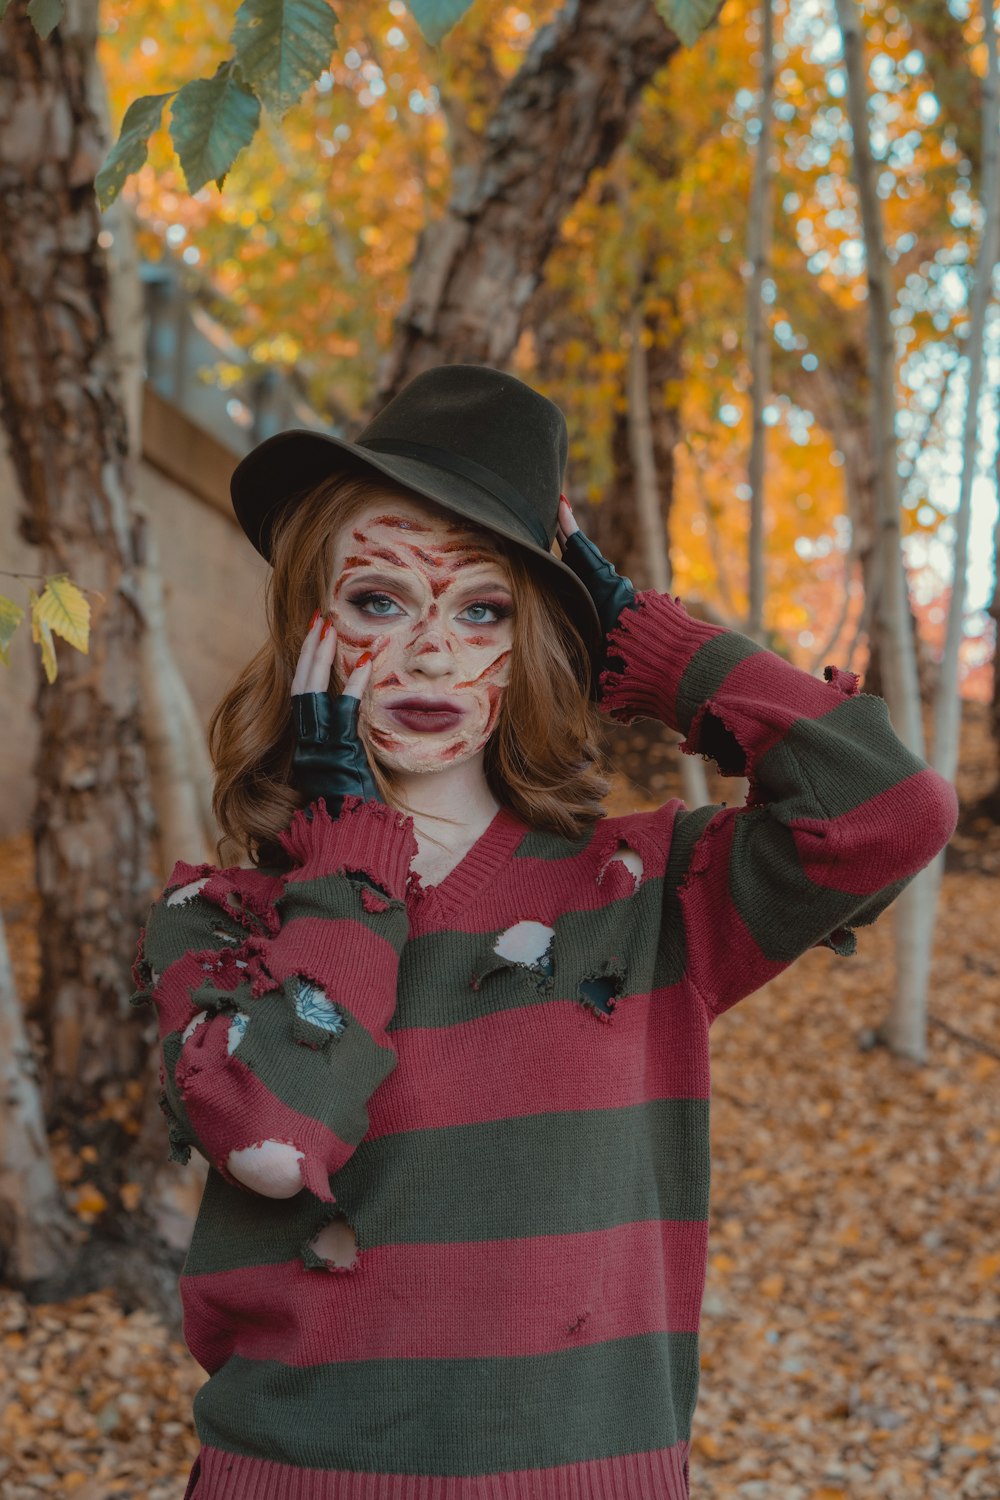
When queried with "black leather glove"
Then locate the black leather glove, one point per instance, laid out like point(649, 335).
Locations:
point(610, 592)
point(329, 759)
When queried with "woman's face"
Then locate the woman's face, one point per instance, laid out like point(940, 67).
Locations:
point(422, 581)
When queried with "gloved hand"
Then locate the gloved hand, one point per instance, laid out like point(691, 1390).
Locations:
point(329, 759)
point(610, 592)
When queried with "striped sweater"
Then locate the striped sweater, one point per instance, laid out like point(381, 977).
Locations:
point(502, 1081)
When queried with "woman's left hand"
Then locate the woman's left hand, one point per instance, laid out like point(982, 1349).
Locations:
point(610, 592)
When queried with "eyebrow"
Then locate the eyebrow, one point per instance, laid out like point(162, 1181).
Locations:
point(394, 581)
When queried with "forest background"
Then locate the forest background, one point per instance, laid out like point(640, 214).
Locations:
point(642, 307)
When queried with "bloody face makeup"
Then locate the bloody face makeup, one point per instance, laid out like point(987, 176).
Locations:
point(422, 581)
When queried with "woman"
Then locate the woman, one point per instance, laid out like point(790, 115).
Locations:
point(445, 1043)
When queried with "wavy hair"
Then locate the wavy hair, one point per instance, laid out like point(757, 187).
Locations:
point(543, 760)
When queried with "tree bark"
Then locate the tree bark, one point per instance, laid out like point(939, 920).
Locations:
point(905, 1026)
point(948, 702)
point(758, 324)
point(561, 116)
point(890, 616)
point(37, 1235)
point(62, 403)
point(652, 530)
point(991, 803)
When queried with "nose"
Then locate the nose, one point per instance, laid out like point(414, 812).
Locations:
point(429, 653)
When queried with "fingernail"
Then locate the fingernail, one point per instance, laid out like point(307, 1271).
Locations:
point(326, 627)
point(315, 617)
point(365, 656)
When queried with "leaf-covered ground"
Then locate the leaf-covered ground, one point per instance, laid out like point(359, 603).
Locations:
point(851, 1324)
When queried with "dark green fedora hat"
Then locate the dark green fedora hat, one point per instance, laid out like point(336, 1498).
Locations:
point(473, 439)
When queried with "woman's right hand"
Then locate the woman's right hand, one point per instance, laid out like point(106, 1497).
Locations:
point(329, 759)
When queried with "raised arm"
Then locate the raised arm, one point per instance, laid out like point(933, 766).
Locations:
point(840, 815)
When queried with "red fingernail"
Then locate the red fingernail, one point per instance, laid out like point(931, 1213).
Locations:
point(365, 656)
point(315, 617)
point(326, 627)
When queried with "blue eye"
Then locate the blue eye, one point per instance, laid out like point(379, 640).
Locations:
point(481, 620)
point(363, 599)
point(497, 612)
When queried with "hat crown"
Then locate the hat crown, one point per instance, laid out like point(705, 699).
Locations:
point(490, 419)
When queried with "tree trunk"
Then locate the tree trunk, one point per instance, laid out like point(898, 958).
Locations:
point(905, 1027)
point(652, 530)
point(948, 700)
point(991, 803)
point(37, 1235)
point(890, 618)
point(62, 404)
point(561, 116)
point(758, 325)
point(179, 803)
point(948, 703)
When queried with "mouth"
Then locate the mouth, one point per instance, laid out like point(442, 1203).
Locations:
point(429, 715)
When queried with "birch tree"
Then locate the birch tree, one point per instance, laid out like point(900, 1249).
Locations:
point(758, 329)
point(37, 1235)
point(905, 1026)
point(948, 701)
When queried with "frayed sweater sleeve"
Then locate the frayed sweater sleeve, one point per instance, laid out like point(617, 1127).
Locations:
point(274, 992)
point(839, 818)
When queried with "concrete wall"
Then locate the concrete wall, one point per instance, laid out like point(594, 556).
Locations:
point(213, 580)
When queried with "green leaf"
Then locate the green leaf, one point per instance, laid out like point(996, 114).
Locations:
point(282, 46)
point(11, 615)
point(435, 17)
point(45, 15)
point(129, 152)
point(211, 120)
point(687, 19)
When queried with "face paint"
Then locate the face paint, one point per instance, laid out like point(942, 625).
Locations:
point(427, 579)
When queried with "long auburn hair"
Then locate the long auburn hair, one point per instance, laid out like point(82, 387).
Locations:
point(543, 760)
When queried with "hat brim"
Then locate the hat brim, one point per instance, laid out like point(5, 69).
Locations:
point(287, 466)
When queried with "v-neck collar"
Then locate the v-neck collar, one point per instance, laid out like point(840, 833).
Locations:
point(431, 905)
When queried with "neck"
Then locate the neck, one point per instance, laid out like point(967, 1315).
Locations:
point(458, 793)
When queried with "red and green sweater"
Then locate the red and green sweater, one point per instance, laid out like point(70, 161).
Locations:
point(521, 1145)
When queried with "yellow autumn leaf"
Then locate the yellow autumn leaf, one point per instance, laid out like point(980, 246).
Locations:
point(987, 1268)
point(130, 1193)
point(64, 608)
point(41, 634)
point(90, 1200)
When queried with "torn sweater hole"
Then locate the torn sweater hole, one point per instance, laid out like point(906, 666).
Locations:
point(712, 736)
point(847, 682)
point(318, 1019)
point(333, 1247)
point(246, 897)
point(526, 946)
point(600, 990)
point(185, 893)
point(234, 974)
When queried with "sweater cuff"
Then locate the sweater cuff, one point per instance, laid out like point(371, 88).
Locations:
point(657, 641)
point(368, 837)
